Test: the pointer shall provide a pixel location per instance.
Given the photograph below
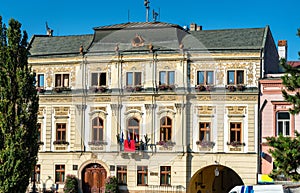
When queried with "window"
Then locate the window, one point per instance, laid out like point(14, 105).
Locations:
point(61, 80)
point(142, 175)
point(97, 129)
point(36, 173)
point(122, 174)
point(205, 77)
point(165, 175)
point(98, 79)
point(167, 77)
point(165, 129)
point(39, 132)
point(61, 131)
point(40, 80)
point(235, 132)
point(204, 131)
point(133, 129)
point(235, 77)
point(133, 78)
point(59, 173)
point(283, 123)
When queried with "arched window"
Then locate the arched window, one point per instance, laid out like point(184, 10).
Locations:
point(97, 127)
point(165, 129)
point(133, 129)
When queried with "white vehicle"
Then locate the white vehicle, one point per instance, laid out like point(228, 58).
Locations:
point(259, 189)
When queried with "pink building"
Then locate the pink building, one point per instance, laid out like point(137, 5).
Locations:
point(275, 116)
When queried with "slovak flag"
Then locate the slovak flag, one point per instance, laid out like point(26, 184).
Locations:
point(136, 138)
point(122, 138)
point(128, 137)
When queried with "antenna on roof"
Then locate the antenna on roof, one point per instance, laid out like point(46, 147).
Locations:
point(49, 30)
point(146, 3)
point(155, 14)
point(128, 15)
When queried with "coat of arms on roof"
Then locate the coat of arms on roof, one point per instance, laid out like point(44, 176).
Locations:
point(137, 41)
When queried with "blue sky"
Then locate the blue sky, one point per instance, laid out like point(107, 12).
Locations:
point(74, 17)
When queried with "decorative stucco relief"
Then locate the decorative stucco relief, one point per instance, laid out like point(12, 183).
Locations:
point(206, 110)
point(61, 111)
point(236, 110)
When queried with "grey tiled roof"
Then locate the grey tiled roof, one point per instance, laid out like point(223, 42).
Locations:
point(163, 36)
point(247, 38)
point(61, 45)
point(169, 36)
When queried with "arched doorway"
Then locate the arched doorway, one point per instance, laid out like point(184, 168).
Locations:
point(93, 176)
point(214, 179)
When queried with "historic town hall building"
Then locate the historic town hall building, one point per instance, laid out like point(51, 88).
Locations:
point(161, 107)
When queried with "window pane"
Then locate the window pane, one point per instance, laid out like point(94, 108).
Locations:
point(95, 134)
point(138, 78)
point(66, 80)
point(133, 122)
point(169, 121)
point(40, 80)
point(230, 77)
point(283, 115)
point(232, 136)
point(129, 79)
point(200, 77)
point(287, 128)
point(210, 77)
point(94, 79)
point(238, 136)
point(162, 77)
point(102, 79)
point(171, 78)
point(58, 80)
point(240, 77)
point(280, 127)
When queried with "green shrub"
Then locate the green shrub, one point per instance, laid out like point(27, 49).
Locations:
point(111, 185)
point(71, 184)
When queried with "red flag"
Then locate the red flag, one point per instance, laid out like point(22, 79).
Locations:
point(129, 146)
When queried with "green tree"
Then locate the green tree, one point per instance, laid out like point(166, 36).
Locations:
point(286, 154)
point(291, 80)
point(18, 110)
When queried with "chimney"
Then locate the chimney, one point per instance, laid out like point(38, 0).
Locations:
point(193, 27)
point(199, 28)
point(282, 49)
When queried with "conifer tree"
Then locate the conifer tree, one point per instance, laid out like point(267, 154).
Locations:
point(291, 80)
point(286, 156)
point(18, 110)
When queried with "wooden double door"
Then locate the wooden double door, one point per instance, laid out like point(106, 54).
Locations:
point(94, 176)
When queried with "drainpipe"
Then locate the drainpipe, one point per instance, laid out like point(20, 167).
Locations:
point(259, 149)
